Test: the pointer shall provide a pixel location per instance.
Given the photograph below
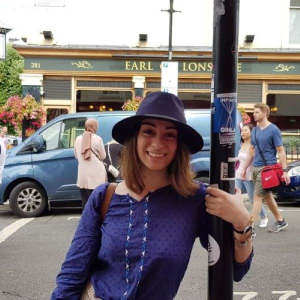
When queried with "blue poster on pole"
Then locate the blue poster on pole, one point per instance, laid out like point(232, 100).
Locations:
point(225, 117)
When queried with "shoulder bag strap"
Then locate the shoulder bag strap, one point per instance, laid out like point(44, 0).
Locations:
point(260, 152)
point(108, 152)
point(99, 158)
point(107, 197)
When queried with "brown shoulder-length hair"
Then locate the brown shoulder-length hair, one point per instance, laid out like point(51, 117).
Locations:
point(179, 171)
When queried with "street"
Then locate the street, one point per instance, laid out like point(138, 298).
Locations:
point(32, 250)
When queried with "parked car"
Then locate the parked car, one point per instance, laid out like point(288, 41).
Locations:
point(291, 191)
point(41, 172)
point(12, 141)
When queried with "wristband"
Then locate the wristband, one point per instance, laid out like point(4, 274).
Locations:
point(285, 170)
point(246, 228)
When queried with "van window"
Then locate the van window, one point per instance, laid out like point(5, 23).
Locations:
point(63, 134)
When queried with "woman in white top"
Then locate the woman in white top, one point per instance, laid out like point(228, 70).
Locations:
point(247, 184)
point(89, 151)
point(2, 158)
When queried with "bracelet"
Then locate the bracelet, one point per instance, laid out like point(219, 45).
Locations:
point(285, 170)
point(244, 243)
point(246, 228)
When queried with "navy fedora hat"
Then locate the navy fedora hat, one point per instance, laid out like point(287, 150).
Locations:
point(162, 106)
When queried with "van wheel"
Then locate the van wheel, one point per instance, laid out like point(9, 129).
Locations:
point(28, 200)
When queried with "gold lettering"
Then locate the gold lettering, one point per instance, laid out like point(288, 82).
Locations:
point(239, 67)
point(202, 66)
point(134, 66)
point(192, 67)
point(184, 67)
point(35, 65)
point(150, 66)
point(127, 65)
point(210, 66)
point(143, 66)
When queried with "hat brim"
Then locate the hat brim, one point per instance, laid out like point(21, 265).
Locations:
point(123, 130)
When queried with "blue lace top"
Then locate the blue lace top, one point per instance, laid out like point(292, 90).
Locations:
point(145, 246)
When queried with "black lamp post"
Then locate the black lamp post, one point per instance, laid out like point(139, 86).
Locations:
point(3, 32)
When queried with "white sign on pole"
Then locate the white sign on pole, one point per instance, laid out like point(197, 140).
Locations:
point(169, 77)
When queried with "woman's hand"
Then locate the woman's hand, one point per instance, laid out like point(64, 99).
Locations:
point(227, 206)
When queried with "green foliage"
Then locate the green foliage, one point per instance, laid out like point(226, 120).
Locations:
point(10, 69)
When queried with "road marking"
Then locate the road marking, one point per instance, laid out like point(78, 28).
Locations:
point(286, 295)
point(248, 295)
point(70, 218)
point(12, 228)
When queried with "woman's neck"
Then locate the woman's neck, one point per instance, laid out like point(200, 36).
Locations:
point(154, 180)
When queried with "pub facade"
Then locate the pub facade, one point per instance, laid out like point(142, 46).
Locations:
point(68, 79)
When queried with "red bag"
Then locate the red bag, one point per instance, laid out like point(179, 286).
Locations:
point(272, 177)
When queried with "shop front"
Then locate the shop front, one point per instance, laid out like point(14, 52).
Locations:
point(79, 79)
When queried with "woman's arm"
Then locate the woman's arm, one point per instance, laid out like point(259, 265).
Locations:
point(232, 209)
point(83, 252)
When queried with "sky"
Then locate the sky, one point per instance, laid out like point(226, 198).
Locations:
point(107, 22)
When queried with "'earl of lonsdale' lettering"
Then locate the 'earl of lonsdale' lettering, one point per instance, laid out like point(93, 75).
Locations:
point(138, 66)
point(183, 66)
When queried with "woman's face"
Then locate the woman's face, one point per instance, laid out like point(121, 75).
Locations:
point(246, 133)
point(157, 144)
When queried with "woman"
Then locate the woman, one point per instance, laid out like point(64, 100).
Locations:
point(154, 216)
point(113, 154)
point(247, 183)
point(89, 151)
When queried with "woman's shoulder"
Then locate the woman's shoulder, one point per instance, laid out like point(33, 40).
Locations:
point(98, 194)
point(200, 191)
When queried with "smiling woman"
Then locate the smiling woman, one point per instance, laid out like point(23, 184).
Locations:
point(157, 144)
point(154, 216)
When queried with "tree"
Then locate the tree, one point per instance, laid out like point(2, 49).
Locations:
point(10, 69)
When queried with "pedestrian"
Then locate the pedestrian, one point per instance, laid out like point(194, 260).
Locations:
point(267, 137)
point(3, 136)
point(142, 248)
point(2, 158)
point(113, 154)
point(246, 185)
point(89, 151)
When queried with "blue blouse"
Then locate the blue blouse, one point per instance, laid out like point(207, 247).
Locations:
point(145, 246)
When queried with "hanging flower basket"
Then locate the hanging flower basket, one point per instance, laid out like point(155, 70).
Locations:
point(132, 104)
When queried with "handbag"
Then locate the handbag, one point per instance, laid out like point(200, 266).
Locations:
point(271, 176)
point(88, 292)
point(111, 169)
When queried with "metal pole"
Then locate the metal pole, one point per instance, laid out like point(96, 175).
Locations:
point(223, 127)
point(170, 30)
point(170, 11)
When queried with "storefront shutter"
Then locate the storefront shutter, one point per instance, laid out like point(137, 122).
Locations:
point(57, 89)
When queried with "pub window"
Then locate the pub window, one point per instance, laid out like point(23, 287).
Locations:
point(294, 28)
point(90, 100)
point(52, 113)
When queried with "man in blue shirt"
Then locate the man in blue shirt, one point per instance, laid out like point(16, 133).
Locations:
point(267, 135)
